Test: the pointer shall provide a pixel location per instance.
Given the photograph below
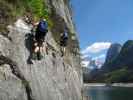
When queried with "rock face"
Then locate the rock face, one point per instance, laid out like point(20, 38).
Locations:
point(113, 52)
point(121, 58)
point(124, 59)
point(52, 78)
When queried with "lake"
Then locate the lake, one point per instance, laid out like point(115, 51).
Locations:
point(109, 93)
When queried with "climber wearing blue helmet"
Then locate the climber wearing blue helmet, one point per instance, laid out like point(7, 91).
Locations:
point(63, 41)
point(41, 31)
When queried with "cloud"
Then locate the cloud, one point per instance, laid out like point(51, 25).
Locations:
point(85, 56)
point(96, 47)
point(85, 63)
point(102, 56)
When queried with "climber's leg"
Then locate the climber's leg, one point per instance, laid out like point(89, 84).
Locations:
point(40, 51)
point(64, 53)
point(44, 47)
point(36, 49)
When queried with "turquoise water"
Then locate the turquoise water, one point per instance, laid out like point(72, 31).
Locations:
point(109, 93)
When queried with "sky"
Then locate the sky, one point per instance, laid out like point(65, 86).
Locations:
point(99, 23)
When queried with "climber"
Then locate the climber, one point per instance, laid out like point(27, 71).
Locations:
point(39, 41)
point(63, 41)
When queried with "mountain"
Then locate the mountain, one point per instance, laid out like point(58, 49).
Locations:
point(93, 64)
point(118, 66)
point(52, 78)
point(120, 69)
point(90, 63)
point(123, 59)
point(86, 72)
point(91, 70)
point(113, 52)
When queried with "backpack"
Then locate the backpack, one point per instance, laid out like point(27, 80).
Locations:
point(43, 26)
